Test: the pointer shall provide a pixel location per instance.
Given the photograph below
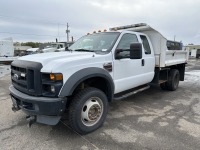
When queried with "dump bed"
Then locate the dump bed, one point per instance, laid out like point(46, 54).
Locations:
point(163, 55)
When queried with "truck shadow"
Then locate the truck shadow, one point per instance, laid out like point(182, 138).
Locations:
point(145, 98)
point(154, 97)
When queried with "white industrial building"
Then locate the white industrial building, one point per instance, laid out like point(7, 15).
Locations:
point(194, 50)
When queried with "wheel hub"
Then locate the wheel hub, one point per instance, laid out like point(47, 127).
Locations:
point(94, 112)
point(91, 111)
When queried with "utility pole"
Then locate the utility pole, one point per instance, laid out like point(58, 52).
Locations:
point(174, 37)
point(67, 31)
point(58, 32)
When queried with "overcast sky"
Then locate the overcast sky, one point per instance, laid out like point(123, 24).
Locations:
point(45, 20)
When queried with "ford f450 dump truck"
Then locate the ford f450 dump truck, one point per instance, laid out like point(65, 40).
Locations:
point(97, 69)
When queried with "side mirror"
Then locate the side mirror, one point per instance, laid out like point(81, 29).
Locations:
point(136, 51)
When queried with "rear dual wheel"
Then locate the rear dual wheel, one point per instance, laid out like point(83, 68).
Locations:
point(173, 81)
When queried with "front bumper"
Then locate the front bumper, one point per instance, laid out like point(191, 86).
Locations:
point(45, 109)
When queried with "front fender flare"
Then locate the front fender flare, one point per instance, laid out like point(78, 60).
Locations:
point(84, 74)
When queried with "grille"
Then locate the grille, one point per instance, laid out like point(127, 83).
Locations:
point(25, 76)
point(18, 76)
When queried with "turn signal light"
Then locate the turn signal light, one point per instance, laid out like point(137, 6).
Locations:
point(52, 77)
point(56, 77)
point(59, 77)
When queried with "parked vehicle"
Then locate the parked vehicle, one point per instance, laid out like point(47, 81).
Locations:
point(32, 51)
point(56, 47)
point(97, 69)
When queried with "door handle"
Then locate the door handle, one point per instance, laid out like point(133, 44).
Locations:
point(143, 62)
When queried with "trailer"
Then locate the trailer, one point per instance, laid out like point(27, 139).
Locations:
point(6, 50)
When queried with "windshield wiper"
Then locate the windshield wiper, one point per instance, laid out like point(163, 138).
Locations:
point(84, 50)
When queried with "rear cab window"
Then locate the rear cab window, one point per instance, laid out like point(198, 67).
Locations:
point(145, 44)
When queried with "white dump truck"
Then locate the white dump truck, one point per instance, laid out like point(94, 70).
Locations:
point(97, 69)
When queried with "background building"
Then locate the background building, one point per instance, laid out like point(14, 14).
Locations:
point(194, 50)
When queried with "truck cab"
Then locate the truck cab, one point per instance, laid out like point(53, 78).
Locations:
point(129, 73)
point(97, 69)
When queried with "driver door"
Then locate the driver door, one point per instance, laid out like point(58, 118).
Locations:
point(127, 72)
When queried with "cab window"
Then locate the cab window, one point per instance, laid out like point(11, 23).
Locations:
point(125, 43)
point(145, 44)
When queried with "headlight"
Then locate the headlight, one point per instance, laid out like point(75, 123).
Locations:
point(51, 84)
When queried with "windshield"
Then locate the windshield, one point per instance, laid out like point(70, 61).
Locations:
point(100, 42)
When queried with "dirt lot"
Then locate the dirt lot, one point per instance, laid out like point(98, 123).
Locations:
point(153, 119)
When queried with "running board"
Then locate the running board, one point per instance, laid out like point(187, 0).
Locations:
point(132, 93)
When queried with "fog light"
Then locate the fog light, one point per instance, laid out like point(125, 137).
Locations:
point(53, 89)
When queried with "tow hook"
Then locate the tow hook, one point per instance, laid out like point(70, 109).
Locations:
point(14, 108)
point(31, 120)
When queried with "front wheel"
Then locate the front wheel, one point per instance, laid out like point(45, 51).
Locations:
point(88, 110)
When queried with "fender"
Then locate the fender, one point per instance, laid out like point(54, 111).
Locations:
point(84, 74)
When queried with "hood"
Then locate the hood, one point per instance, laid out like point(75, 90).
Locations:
point(54, 60)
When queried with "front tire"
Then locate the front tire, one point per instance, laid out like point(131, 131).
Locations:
point(88, 110)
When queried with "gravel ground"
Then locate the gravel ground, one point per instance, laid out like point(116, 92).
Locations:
point(153, 119)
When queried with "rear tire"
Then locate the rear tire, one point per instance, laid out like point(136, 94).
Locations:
point(173, 81)
point(88, 110)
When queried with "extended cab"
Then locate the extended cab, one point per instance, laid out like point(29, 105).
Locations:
point(97, 69)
